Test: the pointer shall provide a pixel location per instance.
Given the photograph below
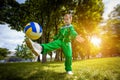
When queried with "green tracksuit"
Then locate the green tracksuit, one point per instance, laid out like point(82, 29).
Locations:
point(62, 40)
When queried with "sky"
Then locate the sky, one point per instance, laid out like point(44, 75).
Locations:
point(109, 6)
point(20, 1)
point(11, 38)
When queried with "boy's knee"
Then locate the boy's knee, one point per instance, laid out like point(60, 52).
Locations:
point(68, 57)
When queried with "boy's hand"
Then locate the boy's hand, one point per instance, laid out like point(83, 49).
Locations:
point(80, 39)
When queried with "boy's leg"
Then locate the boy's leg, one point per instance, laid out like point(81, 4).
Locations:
point(67, 50)
point(43, 48)
point(34, 47)
point(51, 46)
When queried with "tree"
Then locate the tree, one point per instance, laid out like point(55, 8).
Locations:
point(49, 19)
point(87, 16)
point(111, 42)
point(7, 10)
point(4, 52)
point(49, 13)
point(115, 13)
point(22, 51)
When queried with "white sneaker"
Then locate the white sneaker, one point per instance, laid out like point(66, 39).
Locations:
point(35, 47)
point(70, 72)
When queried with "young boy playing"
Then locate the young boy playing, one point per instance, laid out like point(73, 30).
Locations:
point(61, 40)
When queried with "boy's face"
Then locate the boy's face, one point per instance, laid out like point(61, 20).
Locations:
point(67, 19)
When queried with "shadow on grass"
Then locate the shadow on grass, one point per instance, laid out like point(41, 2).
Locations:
point(34, 75)
point(47, 75)
point(30, 71)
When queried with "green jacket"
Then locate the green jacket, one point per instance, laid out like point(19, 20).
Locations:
point(66, 33)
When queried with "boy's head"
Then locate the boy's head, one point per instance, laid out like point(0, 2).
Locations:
point(67, 19)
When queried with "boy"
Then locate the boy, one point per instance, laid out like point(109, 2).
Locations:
point(61, 40)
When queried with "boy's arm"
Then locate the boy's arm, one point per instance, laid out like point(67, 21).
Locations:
point(73, 33)
point(80, 39)
point(55, 37)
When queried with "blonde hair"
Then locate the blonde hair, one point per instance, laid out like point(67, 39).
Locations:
point(68, 15)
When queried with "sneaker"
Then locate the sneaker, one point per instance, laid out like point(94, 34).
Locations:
point(35, 47)
point(70, 72)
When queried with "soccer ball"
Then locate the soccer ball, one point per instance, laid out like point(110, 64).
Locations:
point(33, 30)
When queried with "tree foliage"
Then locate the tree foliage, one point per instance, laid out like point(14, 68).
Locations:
point(49, 13)
point(87, 17)
point(4, 52)
point(22, 51)
point(8, 12)
point(111, 42)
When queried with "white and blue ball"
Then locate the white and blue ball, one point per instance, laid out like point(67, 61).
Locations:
point(33, 30)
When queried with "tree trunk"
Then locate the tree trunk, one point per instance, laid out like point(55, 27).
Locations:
point(50, 56)
point(44, 58)
point(61, 55)
point(38, 60)
point(57, 56)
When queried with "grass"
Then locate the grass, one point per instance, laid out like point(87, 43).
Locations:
point(93, 69)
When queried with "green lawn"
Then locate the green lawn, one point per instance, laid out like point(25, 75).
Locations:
point(93, 69)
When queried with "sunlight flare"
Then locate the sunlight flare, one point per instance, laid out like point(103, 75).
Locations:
point(95, 41)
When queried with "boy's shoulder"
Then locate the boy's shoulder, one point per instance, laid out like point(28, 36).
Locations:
point(65, 26)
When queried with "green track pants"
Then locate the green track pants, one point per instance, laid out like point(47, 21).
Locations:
point(65, 46)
